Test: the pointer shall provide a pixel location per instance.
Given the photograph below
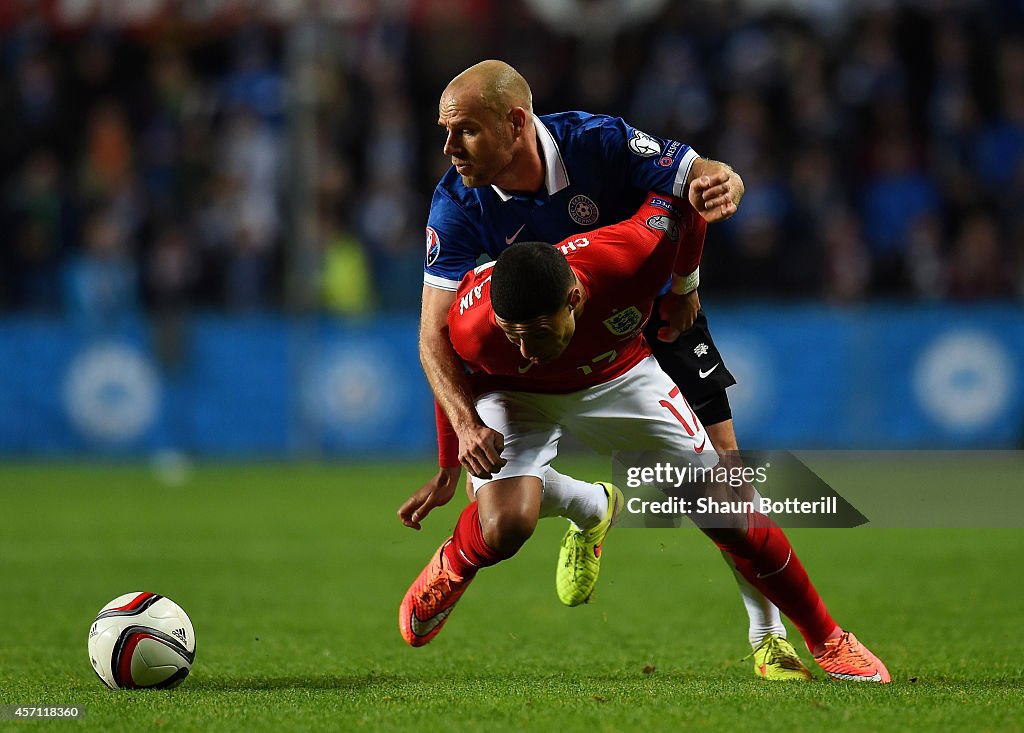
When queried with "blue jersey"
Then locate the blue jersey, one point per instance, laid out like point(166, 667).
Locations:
point(598, 170)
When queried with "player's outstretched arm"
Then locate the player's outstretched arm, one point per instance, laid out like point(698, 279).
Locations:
point(438, 491)
point(714, 189)
point(479, 446)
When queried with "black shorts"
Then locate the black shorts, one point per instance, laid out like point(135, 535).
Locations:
point(694, 364)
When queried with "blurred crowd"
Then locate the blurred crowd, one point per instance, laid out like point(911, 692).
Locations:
point(166, 168)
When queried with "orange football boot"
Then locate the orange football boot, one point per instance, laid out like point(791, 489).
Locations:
point(430, 600)
point(845, 658)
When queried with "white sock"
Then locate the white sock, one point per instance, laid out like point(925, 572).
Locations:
point(582, 502)
point(763, 615)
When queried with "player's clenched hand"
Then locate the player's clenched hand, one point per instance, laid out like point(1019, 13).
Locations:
point(438, 491)
point(480, 450)
point(680, 311)
point(716, 194)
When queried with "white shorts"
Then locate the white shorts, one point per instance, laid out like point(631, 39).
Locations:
point(641, 410)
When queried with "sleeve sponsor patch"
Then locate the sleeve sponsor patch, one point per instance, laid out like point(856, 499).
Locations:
point(665, 224)
point(669, 157)
point(662, 203)
point(644, 145)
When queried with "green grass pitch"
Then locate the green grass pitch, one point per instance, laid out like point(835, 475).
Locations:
point(292, 575)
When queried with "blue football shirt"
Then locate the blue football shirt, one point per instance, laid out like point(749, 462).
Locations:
point(597, 171)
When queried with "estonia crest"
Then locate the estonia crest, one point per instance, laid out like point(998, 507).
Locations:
point(583, 210)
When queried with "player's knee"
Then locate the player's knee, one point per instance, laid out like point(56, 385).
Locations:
point(508, 532)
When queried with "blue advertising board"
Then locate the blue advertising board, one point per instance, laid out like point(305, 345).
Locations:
point(871, 377)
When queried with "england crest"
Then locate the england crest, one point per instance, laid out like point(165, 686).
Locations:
point(626, 322)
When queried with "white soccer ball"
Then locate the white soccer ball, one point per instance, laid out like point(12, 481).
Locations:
point(141, 640)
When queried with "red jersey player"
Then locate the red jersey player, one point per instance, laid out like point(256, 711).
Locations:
point(619, 270)
point(551, 336)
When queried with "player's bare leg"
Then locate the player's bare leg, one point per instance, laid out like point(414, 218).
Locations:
point(590, 507)
point(509, 510)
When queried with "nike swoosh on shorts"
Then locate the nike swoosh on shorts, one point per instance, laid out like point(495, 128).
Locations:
point(703, 374)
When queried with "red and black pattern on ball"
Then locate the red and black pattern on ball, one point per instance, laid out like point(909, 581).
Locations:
point(124, 649)
point(174, 680)
point(134, 607)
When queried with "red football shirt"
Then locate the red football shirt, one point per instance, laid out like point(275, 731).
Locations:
point(621, 267)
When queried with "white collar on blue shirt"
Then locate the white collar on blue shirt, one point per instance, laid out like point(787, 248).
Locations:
point(556, 177)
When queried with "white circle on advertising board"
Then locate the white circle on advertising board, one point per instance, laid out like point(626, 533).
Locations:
point(963, 379)
point(353, 389)
point(111, 393)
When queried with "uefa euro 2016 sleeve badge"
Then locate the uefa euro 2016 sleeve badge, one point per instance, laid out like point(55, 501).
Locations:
point(433, 246)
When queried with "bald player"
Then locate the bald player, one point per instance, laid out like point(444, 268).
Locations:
point(516, 176)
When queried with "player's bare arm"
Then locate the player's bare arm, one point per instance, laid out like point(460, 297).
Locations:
point(714, 189)
point(680, 311)
point(438, 491)
point(479, 446)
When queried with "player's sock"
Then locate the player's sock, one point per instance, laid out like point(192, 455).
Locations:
point(468, 552)
point(581, 502)
point(763, 615)
point(768, 562)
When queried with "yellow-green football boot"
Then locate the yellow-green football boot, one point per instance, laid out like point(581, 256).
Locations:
point(579, 560)
point(776, 659)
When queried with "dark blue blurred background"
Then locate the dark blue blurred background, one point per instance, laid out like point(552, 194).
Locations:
point(212, 215)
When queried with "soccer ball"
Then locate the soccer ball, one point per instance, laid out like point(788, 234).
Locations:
point(141, 640)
